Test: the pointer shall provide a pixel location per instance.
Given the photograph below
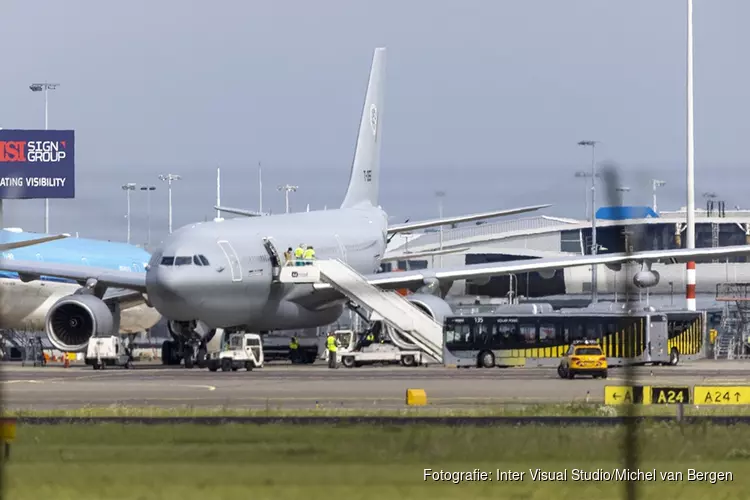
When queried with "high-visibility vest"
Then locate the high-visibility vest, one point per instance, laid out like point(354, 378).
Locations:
point(298, 253)
point(309, 254)
point(293, 344)
point(331, 343)
point(371, 337)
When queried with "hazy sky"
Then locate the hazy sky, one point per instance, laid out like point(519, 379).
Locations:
point(484, 99)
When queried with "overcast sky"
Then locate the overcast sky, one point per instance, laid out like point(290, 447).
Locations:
point(484, 99)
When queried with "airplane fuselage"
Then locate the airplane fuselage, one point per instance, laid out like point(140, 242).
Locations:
point(237, 288)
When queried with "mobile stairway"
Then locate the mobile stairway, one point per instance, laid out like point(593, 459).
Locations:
point(410, 323)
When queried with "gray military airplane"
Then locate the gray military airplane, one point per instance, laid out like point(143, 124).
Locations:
point(222, 274)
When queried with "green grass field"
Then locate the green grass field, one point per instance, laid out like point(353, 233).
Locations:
point(479, 410)
point(101, 462)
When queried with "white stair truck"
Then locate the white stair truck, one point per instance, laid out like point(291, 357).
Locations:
point(108, 351)
point(235, 351)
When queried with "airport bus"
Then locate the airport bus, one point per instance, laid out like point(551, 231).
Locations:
point(541, 337)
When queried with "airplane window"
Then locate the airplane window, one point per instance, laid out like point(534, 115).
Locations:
point(204, 260)
point(197, 261)
point(183, 261)
point(167, 261)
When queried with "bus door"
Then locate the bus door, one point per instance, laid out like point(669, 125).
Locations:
point(657, 339)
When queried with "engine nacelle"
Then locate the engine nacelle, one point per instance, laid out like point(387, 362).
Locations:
point(74, 319)
point(547, 274)
point(479, 281)
point(646, 279)
point(433, 306)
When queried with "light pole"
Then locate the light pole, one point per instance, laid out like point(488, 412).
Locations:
point(169, 178)
point(585, 176)
point(130, 186)
point(38, 87)
point(148, 190)
point(656, 183)
point(287, 189)
point(440, 195)
point(592, 145)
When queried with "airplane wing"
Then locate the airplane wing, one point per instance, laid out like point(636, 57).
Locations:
point(28, 243)
point(32, 270)
point(412, 226)
point(239, 211)
point(416, 255)
point(416, 279)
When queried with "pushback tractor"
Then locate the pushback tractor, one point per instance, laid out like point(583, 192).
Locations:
point(234, 351)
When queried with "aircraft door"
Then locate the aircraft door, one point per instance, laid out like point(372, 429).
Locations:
point(234, 261)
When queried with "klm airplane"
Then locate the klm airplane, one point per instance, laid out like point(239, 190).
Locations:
point(24, 304)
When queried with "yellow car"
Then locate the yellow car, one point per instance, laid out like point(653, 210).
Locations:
point(583, 358)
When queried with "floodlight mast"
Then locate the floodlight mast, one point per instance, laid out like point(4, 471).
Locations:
point(168, 178)
point(594, 246)
point(46, 87)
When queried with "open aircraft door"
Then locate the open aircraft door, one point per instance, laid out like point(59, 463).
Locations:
point(234, 261)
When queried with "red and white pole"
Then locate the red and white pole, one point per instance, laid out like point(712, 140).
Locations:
point(690, 289)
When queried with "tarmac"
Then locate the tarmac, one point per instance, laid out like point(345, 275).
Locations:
point(281, 386)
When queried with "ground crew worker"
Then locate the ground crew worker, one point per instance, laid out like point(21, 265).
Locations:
point(294, 350)
point(309, 255)
point(288, 255)
point(331, 345)
point(298, 253)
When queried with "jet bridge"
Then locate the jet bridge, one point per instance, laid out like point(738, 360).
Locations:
point(411, 323)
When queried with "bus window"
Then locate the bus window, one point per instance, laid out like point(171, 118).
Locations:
point(593, 330)
point(547, 333)
point(574, 330)
point(503, 335)
point(481, 334)
point(527, 331)
point(457, 335)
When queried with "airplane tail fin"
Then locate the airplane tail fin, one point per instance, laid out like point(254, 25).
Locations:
point(364, 180)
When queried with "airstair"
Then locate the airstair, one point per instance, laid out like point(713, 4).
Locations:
point(410, 323)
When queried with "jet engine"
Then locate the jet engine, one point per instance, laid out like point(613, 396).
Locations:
point(646, 279)
point(547, 274)
point(74, 319)
point(432, 305)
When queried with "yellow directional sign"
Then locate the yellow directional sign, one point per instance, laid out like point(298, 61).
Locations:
point(722, 395)
point(621, 394)
point(670, 395)
point(7, 429)
point(617, 395)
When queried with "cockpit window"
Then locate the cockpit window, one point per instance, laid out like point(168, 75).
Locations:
point(197, 261)
point(183, 261)
point(204, 260)
point(167, 261)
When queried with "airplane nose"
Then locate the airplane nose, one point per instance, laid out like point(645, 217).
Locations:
point(164, 292)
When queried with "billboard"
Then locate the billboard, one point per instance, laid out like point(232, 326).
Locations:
point(37, 164)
